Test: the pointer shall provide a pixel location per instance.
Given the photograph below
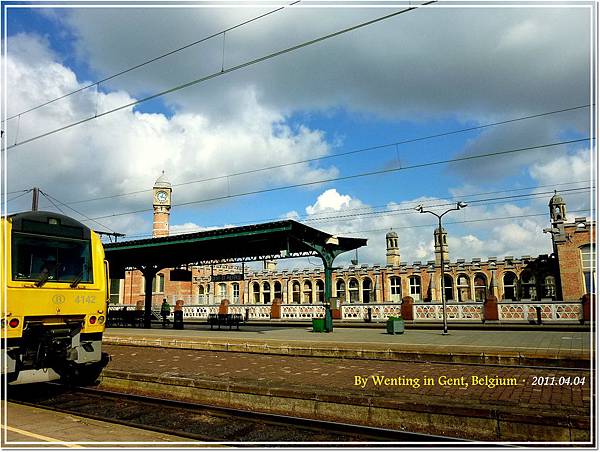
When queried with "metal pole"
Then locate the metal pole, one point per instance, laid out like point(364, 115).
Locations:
point(35, 198)
point(443, 279)
point(419, 208)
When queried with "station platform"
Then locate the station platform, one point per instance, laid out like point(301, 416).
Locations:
point(524, 386)
point(542, 347)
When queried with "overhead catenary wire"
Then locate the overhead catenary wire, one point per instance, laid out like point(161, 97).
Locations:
point(51, 198)
point(392, 212)
point(337, 155)
point(53, 203)
point(220, 73)
point(370, 208)
point(354, 176)
point(152, 60)
point(476, 220)
point(18, 196)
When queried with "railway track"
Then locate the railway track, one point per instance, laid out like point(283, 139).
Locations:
point(206, 423)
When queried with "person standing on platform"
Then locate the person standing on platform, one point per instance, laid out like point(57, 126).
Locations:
point(165, 310)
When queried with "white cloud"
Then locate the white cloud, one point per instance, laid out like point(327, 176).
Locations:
point(127, 150)
point(329, 200)
point(496, 237)
point(522, 60)
point(566, 168)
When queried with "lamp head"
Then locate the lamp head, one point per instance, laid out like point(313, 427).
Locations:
point(419, 208)
point(461, 204)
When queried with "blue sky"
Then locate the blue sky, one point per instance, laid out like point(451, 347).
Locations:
point(429, 71)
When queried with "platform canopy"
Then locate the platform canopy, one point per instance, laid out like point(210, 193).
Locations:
point(274, 240)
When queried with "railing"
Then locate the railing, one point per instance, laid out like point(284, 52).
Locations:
point(199, 312)
point(302, 311)
point(556, 310)
point(454, 311)
point(507, 311)
point(377, 311)
point(251, 311)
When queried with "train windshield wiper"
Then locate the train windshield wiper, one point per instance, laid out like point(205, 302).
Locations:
point(46, 275)
point(77, 280)
point(43, 279)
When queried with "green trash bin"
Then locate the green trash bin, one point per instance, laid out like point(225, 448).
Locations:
point(318, 325)
point(395, 325)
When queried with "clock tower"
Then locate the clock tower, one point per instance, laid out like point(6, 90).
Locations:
point(161, 202)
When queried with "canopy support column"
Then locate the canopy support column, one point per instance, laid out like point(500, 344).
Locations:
point(327, 259)
point(149, 273)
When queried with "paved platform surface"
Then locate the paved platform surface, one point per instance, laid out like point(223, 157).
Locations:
point(31, 427)
point(542, 343)
point(449, 383)
point(277, 366)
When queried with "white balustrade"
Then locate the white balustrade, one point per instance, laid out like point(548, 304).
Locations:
point(507, 311)
point(379, 311)
point(554, 311)
point(301, 311)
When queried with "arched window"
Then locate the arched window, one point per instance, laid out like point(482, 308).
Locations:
point(528, 289)
point(296, 292)
point(550, 287)
point(414, 283)
point(222, 291)
point(395, 289)
point(256, 292)
point(463, 284)
point(449, 287)
point(588, 266)
point(235, 287)
point(277, 289)
point(480, 283)
point(509, 281)
point(320, 291)
point(367, 290)
point(340, 289)
point(307, 292)
point(201, 294)
point(266, 292)
point(353, 290)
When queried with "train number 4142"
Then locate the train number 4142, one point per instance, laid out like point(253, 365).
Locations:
point(85, 299)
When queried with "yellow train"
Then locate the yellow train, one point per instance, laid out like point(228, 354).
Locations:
point(54, 281)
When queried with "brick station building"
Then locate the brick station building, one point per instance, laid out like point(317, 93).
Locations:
point(567, 274)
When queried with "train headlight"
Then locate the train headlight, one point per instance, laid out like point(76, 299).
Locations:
point(101, 320)
point(13, 323)
point(93, 319)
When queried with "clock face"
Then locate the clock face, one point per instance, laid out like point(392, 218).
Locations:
point(161, 196)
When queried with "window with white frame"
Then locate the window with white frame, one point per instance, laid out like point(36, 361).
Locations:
point(277, 289)
point(463, 286)
point(158, 283)
point(266, 292)
point(395, 289)
point(222, 290)
point(353, 290)
point(256, 292)
point(510, 285)
point(414, 284)
point(588, 265)
point(236, 291)
point(340, 289)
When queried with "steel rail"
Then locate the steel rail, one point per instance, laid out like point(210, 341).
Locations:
point(372, 434)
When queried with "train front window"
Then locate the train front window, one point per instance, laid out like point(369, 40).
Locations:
point(50, 259)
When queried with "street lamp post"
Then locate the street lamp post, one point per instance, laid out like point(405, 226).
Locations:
point(419, 208)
